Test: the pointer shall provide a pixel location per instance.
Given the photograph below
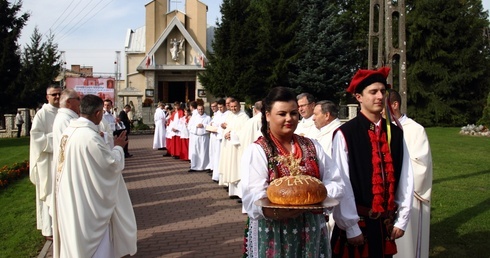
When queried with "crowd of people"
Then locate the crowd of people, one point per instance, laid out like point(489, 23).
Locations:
point(377, 166)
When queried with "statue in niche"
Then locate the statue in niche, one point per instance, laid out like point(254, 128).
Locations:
point(177, 46)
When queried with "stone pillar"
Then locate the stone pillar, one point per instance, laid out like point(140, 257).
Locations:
point(352, 110)
point(25, 112)
point(10, 126)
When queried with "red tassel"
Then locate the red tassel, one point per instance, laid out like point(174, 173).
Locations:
point(365, 252)
point(390, 247)
point(336, 249)
point(346, 252)
point(357, 254)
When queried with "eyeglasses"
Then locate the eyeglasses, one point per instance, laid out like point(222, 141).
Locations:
point(55, 94)
point(304, 105)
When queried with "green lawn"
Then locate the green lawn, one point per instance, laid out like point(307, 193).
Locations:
point(460, 224)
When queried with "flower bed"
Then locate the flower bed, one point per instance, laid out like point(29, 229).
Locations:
point(10, 174)
point(476, 130)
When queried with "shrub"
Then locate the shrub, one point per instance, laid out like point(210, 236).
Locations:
point(485, 118)
point(10, 174)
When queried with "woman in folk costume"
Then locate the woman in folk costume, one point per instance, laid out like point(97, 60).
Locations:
point(184, 134)
point(274, 232)
point(372, 153)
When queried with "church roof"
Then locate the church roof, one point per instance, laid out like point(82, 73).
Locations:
point(174, 23)
point(135, 40)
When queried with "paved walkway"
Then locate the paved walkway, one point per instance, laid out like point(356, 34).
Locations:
point(179, 214)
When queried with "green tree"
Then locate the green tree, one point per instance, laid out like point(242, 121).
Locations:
point(448, 61)
point(40, 66)
point(485, 118)
point(324, 62)
point(11, 24)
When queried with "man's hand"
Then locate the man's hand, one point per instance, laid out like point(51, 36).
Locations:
point(200, 126)
point(396, 233)
point(227, 136)
point(223, 125)
point(120, 140)
point(355, 241)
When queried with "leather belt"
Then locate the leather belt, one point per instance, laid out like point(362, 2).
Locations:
point(368, 213)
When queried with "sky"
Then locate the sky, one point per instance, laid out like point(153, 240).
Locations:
point(91, 31)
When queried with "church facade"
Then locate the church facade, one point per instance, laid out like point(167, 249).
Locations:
point(164, 57)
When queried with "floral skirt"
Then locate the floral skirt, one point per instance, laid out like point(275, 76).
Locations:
point(304, 236)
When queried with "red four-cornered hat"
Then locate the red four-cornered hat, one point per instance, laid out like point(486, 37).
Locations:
point(364, 78)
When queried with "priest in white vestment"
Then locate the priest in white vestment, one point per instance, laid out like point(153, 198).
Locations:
point(41, 158)
point(326, 121)
point(306, 126)
point(229, 159)
point(216, 138)
point(325, 117)
point(247, 135)
point(69, 110)
point(415, 242)
point(107, 126)
point(160, 119)
point(95, 214)
point(199, 140)
point(212, 135)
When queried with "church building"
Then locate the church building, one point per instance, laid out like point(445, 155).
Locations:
point(164, 57)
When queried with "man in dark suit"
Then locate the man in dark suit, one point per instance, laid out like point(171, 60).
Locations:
point(123, 115)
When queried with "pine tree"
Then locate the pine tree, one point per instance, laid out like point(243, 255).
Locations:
point(11, 24)
point(323, 63)
point(448, 61)
point(40, 66)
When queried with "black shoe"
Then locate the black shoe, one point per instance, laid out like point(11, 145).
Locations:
point(239, 201)
point(234, 197)
point(216, 181)
point(161, 148)
point(176, 157)
point(128, 155)
point(192, 170)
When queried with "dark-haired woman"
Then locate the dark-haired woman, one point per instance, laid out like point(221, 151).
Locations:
point(284, 232)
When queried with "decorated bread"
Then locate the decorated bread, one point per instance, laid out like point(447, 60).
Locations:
point(296, 190)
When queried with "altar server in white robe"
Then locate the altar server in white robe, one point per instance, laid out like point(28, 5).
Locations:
point(41, 158)
point(415, 242)
point(199, 140)
point(229, 160)
point(215, 142)
point(306, 126)
point(69, 110)
point(159, 141)
point(325, 118)
point(95, 214)
point(107, 125)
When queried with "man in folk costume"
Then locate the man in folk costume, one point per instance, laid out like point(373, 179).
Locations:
point(415, 243)
point(69, 110)
point(160, 120)
point(306, 126)
point(229, 160)
point(95, 214)
point(199, 140)
point(215, 147)
point(41, 158)
point(371, 151)
point(174, 127)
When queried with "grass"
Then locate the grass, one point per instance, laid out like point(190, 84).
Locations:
point(460, 217)
point(18, 234)
point(460, 224)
